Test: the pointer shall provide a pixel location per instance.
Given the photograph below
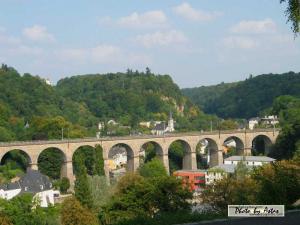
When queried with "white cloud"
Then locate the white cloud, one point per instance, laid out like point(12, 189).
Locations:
point(186, 11)
point(255, 26)
point(240, 42)
point(150, 19)
point(146, 20)
point(161, 38)
point(38, 33)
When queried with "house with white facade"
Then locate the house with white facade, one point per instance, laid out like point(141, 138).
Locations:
point(248, 160)
point(218, 172)
point(32, 182)
point(253, 122)
point(163, 127)
point(271, 120)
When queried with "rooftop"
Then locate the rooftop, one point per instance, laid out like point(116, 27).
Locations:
point(228, 168)
point(31, 182)
point(250, 158)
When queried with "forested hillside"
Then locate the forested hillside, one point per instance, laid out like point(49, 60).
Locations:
point(32, 109)
point(204, 95)
point(247, 98)
point(125, 96)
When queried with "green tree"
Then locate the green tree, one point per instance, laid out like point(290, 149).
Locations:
point(5, 220)
point(5, 134)
point(279, 183)
point(176, 153)
point(99, 161)
point(230, 191)
point(153, 168)
point(82, 188)
point(73, 213)
point(136, 196)
point(293, 14)
point(288, 109)
point(241, 171)
point(64, 185)
point(22, 210)
point(50, 162)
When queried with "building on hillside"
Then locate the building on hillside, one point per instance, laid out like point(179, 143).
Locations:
point(253, 122)
point(194, 178)
point(32, 182)
point(270, 120)
point(162, 128)
point(266, 121)
point(112, 122)
point(145, 124)
point(248, 160)
point(218, 172)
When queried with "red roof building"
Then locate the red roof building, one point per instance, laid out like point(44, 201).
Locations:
point(194, 178)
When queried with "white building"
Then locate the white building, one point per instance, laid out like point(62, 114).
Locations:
point(112, 122)
point(230, 163)
point(32, 182)
point(267, 120)
point(253, 122)
point(145, 124)
point(218, 172)
point(162, 128)
point(270, 120)
point(248, 160)
point(120, 159)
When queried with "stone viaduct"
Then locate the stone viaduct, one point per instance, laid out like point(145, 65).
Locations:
point(244, 140)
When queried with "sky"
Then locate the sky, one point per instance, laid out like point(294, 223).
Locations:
point(196, 42)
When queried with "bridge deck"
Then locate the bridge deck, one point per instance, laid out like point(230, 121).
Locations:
point(92, 139)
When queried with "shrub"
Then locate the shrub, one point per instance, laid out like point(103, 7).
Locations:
point(64, 185)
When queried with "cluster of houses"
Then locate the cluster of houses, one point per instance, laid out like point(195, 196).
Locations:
point(157, 127)
point(264, 121)
point(199, 178)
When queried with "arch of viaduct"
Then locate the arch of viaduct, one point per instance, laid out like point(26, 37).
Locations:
point(216, 141)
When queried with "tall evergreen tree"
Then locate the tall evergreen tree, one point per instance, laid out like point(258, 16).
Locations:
point(82, 188)
point(99, 161)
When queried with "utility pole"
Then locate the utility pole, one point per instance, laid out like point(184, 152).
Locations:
point(211, 127)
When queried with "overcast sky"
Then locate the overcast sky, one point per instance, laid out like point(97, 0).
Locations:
point(197, 42)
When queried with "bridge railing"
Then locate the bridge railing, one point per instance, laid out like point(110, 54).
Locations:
point(142, 136)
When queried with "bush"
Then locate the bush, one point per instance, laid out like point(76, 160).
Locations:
point(74, 213)
point(136, 196)
point(64, 185)
point(153, 168)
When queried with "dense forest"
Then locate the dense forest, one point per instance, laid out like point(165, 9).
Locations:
point(245, 99)
point(32, 109)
